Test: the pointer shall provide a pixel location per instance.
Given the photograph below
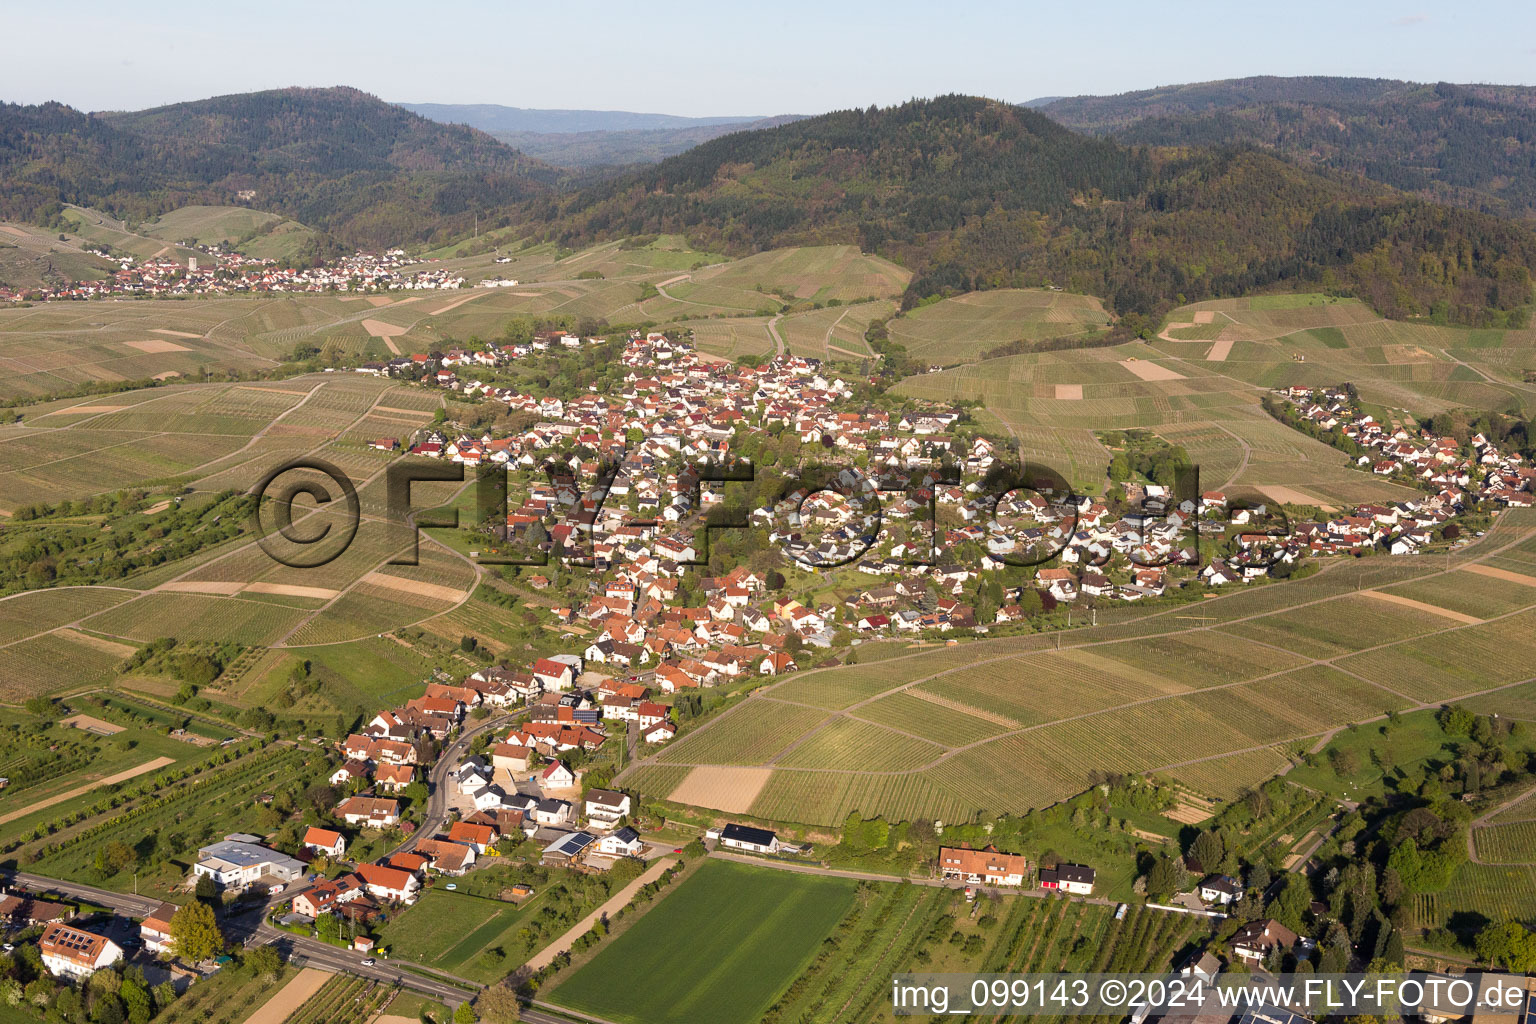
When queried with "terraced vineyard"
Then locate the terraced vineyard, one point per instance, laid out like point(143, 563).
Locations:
point(1512, 843)
point(344, 999)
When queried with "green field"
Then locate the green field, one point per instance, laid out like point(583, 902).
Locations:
point(457, 932)
point(253, 232)
point(961, 329)
point(720, 947)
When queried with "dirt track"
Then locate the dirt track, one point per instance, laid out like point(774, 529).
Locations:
point(123, 776)
point(1433, 609)
point(290, 997)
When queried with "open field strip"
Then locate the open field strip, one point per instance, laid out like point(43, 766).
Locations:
point(1503, 574)
point(110, 780)
point(1148, 370)
point(1408, 602)
point(288, 999)
point(408, 586)
point(614, 904)
point(101, 644)
point(723, 788)
point(1176, 722)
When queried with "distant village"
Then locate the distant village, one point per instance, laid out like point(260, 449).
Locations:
point(222, 271)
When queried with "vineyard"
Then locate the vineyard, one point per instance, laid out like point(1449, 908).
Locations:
point(344, 999)
point(1512, 843)
point(750, 735)
point(849, 979)
point(188, 814)
point(859, 746)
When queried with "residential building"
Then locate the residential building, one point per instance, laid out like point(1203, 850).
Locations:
point(75, 953)
point(1072, 878)
point(983, 867)
point(326, 841)
point(745, 837)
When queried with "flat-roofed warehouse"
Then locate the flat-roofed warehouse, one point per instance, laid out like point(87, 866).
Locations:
point(240, 859)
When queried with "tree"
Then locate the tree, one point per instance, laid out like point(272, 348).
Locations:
point(39, 706)
point(195, 933)
point(206, 890)
point(465, 1014)
point(264, 962)
point(1208, 850)
point(498, 1005)
point(1162, 879)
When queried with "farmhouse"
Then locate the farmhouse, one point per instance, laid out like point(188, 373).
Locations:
point(569, 848)
point(21, 910)
point(447, 857)
point(983, 867)
point(1220, 889)
point(605, 807)
point(623, 843)
point(476, 835)
point(74, 953)
point(328, 895)
point(745, 837)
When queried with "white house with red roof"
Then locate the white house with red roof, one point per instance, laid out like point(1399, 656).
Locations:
point(326, 841)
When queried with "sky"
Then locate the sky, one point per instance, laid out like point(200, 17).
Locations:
point(716, 59)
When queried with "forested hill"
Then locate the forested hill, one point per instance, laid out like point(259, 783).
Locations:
point(336, 159)
point(972, 193)
point(1472, 145)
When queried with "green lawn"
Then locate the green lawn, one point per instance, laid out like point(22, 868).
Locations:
point(720, 948)
point(457, 932)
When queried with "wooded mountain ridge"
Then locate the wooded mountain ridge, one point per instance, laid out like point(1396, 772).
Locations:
point(337, 159)
point(1470, 145)
point(973, 193)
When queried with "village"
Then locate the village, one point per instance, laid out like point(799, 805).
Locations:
point(512, 762)
point(226, 272)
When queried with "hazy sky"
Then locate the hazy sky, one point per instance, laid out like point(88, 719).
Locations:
point(718, 58)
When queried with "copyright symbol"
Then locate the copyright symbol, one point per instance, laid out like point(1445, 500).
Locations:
point(1113, 993)
point(286, 543)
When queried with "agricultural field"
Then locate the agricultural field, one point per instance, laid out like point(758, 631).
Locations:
point(1479, 893)
point(722, 946)
point(1509, 843)
point(31, 256)
point(343, 999)
point(253, 232)
point(1217, 697)
point(846, 744)
point(748, 737)
point(1315, 339)
point(769, 280)
point(834, 334)
point(469, 936)
point(181, 815)
point(960, 329)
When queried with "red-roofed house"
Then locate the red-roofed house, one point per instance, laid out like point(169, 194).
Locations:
point(326, 841)
point(388, 883)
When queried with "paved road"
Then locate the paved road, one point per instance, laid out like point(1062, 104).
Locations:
point(869, 876)
point(249, 926)
point(539, 1013)
point(438, 783)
